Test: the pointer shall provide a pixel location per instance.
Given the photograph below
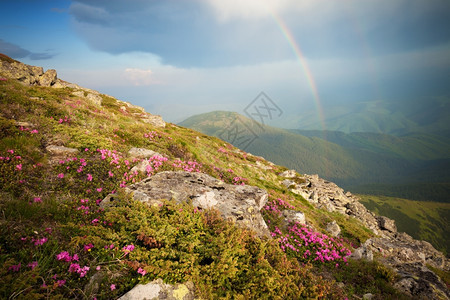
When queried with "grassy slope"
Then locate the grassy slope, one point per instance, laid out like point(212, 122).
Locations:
point(422, 220)
point(49, 208)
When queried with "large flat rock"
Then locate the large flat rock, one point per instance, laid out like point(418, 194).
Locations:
point(239, 203)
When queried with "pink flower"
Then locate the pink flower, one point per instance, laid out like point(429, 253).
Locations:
point(110, 174)
point(83, 271)
point(61, 282)
point(33, 265)
point(98, 268)
point(14, 268)
point(89, 177)
point(95, 221)
point(86, 150)
point(112, 287)
point(61, 175)
point(37, 199)
point(74, 268)
point(88, 247)
point(128, 248)
point(40, 242)
point(64, 256)
point(34, 131)
point(141, 271)
point(19, 167)
point(75, 257)
point(99, 190)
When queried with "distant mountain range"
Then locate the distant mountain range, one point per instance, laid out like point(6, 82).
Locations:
point(390, 117)
point(413, 165)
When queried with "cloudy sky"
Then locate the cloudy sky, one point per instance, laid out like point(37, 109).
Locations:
point(182, 57)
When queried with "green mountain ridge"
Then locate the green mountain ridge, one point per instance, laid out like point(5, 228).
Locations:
point(352, 160)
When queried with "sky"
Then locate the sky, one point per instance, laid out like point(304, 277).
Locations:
point(178, 58)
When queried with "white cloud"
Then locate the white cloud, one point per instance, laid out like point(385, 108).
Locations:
point(140, 77)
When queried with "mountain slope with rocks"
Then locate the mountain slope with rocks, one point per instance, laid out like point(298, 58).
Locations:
point(101, 199)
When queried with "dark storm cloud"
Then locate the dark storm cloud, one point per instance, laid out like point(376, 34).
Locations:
point(18, 52)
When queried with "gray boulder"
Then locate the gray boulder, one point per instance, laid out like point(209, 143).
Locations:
point(362, 252)
point(61, 150)
point(157, 289)
point(292, 216)
point(387, 224)
point(238, 203)
point(48, 78)
point(288, 174)
point(142, 153)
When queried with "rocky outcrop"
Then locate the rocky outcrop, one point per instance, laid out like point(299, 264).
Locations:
point(26, 74)
point(238, 203)
point(31, 75)
point(326, 195)
point(154, 120)
point(48, 78)
point(407, 256)
point(90, 95)
point(157, 289)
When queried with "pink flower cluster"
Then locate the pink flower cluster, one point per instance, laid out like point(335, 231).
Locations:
point(74, 267)
point(32, 131)
point(65, 256)
point(188, 166)
point(152, 135)
point(155, 162)
point(127, 249)
point(65, 120)
point(141, 271)
point(238, 180)
point(276, 206)
point(311, 246)
point(39, 242)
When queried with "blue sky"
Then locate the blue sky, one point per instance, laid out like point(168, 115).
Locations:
point(178, 57)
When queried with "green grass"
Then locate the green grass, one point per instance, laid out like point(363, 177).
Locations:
point(422, 220)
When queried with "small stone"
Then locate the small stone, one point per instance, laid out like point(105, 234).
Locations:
point(368, 296)
point(61, 150)
point(333, 228)
point(362, 252)
point(95, 99)
point(288, 174)
point(387, 224)
point(292, 216)
point(142, 153)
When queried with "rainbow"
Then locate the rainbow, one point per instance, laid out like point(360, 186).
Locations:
point(303, 64)
point(311, 82)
